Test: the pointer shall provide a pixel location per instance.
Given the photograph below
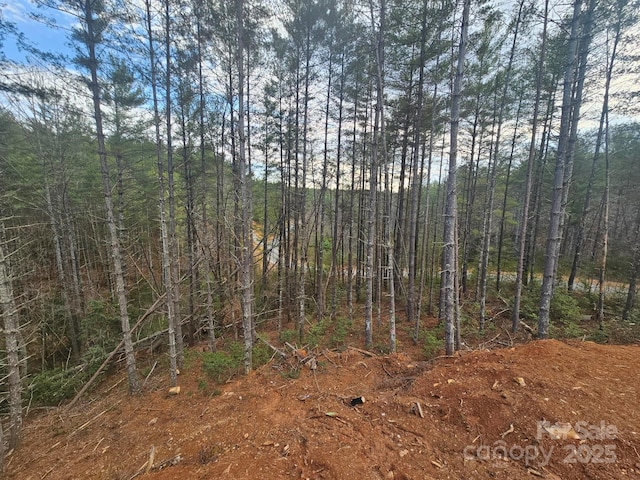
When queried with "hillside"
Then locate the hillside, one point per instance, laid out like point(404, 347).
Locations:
point(428, 420)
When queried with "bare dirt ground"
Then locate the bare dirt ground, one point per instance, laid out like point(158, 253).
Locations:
point(544, 409)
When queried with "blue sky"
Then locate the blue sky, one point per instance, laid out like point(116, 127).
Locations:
point(40, 35)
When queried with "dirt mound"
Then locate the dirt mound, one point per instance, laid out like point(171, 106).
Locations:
point(544, 409)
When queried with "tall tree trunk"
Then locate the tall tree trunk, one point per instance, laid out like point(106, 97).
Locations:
point(401, 216)
point(320, 297)
point(336, 205)
point(494, 169)
point(437, 208)
point(173, 365)
point(605, 221)
point(302, 199)
point(11, 326)
point(57, 227)
point(2, 452)
point(416, 179)
point(427, 217)
point(634, 271)
point(173, 281)
point(449, 252)
point(246, 240)
point(190, 226)
point(557, 212)
point(536, 199)
point(116, 256)
point(205, 241)
point(505, 197)
point(390, 267)
point(469, 193)
point(352, 216)
point(524, 217)
point(599, 137)
point(378, 46)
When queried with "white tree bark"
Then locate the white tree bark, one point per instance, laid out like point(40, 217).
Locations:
point(11, 325)
point(449, 251)
point(246, 240)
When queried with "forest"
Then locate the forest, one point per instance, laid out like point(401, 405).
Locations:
point(207, 170)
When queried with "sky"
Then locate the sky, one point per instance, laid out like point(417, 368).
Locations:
point(55, 40)
point(42, 36)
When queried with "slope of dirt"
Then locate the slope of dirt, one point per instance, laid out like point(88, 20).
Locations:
point(544, 409)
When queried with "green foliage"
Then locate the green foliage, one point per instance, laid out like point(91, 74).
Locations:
point(51, 387)
point(381, 347)
point(599, 335)
point(316, 333)
point(341, 329)
point(565, 306)
point(222, 365)
point(433, 341)
point(203, 387)
point(260, 355)
point(569, 329)
point(225, 364)
point(288, 336)
point(101, 324)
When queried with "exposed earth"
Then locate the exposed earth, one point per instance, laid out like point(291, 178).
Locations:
point(543, 409)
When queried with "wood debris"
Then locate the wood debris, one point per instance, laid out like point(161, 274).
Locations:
point(520, 381)
point(510, 430)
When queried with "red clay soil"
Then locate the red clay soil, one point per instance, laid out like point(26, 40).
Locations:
point(546, 409)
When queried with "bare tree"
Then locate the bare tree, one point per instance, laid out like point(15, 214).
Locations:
point(486, 239)
point(605, 221)
point(164, 235)
point(378, 46)
point(93, 21)
point(246, 239)
point(449, 250)
point(579, 243)
point(11, 324)
point(524, 217)
point(575, 68)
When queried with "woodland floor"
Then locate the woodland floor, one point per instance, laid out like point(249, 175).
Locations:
point(472, 416)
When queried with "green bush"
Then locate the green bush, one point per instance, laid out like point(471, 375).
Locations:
point(51, 387)
point(340, 331)
point(220, 365)
point(261, 355)
point(599, 335)
point(565, 307)
point(566, 330)
point(288, 336)
point(433, 341)
point(224, 364)
point(316, 333)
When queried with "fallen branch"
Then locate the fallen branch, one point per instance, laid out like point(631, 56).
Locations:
point(484, 345)
point(363, 352)
point(85, 424)
point(152, 456)
point(275, 349)
point(149, 466)
point(528, 328)
point(86, 386)
point(149, 374)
